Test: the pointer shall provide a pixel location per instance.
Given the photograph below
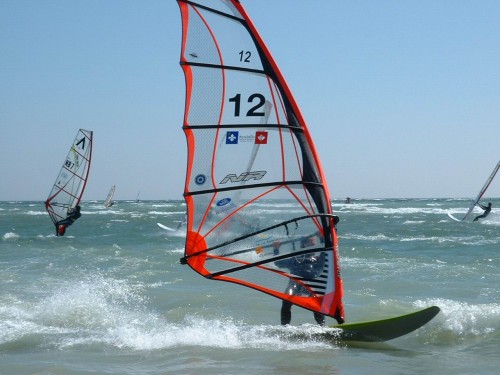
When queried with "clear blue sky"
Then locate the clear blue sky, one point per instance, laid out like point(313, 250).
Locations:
point(402, 97)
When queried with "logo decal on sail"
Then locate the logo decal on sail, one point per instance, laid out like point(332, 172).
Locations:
point(261, 138)
point(223, 202)
point(232, 138)
point(200, 179)
point(243, 177)
point(82, 142)
point(225, 205)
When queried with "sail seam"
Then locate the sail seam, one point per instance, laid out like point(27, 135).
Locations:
point(268, 184)
point(223, 67)
point(231, 126)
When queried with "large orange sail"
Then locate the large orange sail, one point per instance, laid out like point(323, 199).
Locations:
point(258, 206)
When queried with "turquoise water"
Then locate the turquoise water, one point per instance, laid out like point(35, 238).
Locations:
point(111, 297)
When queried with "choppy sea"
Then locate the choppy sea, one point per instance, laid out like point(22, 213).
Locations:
point(111, 297)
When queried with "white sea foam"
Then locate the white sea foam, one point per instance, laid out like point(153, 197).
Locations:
point(464, 319)
point(166, 213)
point(99, 310)
point(36, 213)
point(10, 236)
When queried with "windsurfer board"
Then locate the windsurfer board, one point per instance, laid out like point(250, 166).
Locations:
point(453, 217)
point(385, 329)
point(165, 227)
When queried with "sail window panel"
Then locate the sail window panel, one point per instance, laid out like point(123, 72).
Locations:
point(252, 99)
point(199, 45)
point(279, 279)
point(207, 95)
point(245, 99)
point(202, 148)
point(260, 277)
point(247, 157)
point(223, 6)
point(225, 42)
point(233, 215)
point(201, 222)
point(243, 157)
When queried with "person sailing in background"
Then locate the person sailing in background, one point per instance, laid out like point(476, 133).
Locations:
point(61, 225)
point(487, 210)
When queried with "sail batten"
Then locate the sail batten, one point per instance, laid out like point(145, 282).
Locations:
point(249, 152)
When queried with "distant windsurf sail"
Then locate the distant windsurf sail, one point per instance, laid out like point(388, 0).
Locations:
point(258, 206)
point(109, 199)
point(72, 179)
point(483, 190)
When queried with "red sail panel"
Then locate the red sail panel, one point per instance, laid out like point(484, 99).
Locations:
point(258, 206)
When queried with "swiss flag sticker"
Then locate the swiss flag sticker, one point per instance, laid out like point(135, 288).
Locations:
point(261, 138)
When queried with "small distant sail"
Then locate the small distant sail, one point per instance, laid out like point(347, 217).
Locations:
point(483, 190)
point(249, 148)
point(109, 199)
point(68, 189)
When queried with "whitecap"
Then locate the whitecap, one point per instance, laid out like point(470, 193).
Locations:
point(10, 236)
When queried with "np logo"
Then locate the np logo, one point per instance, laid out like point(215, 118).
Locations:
point(223, 202)
point(245, 176)
point(231, 138)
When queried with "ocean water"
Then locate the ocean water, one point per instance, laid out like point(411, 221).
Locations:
point(111, 297)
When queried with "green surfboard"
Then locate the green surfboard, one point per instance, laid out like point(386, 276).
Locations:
point(386, 329)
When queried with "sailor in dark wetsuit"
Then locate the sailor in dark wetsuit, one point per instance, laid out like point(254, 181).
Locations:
point(61, 225)
point(308, 266)
point(487, 210)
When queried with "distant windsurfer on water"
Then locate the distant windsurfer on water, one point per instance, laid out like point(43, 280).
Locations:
point(61, 225)
point(487, 210)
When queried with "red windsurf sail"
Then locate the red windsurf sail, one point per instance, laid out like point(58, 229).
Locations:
point(258, 207)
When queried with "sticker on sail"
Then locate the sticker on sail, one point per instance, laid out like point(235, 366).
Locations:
point(232, 138)
point(200, 179)
point(243, 177)
point(261, 138)
point(225, 204)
